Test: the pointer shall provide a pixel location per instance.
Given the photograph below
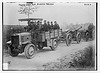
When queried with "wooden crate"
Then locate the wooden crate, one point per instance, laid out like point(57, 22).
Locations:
point(60, 32)
point(51, 34)
point(56, 33)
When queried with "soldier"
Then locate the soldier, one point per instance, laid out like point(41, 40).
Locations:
point(56, 26)
point(45, 26)
point(42, 26)
point(29, 26)
point(32, 26)
point(38, 24)
point(51, 25)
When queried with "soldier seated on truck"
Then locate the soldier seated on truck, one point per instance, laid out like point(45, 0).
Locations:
point(31, 26)
point(45, 26)
point(49, 27)
point(52, 25)
point(56, 26)
point(39, 25)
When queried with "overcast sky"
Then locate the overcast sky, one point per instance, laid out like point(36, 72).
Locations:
point(63, 13)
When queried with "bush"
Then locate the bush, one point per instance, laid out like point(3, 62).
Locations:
point(84, 58)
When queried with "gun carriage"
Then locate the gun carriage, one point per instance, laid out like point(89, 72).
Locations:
point(73, 34)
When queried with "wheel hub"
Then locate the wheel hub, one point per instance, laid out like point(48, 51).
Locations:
point(55, 44)
point(31, 51)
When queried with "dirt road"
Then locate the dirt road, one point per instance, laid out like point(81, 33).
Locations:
point(44, 56)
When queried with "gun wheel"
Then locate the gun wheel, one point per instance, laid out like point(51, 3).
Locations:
point(78, 38)
point(68, 40)
point(87, 36)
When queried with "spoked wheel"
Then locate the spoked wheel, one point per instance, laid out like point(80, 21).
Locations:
point(87, 36)
point(30, 50)
point(78, 38)
point(54, 44)
point(93, 34)
point(68, 40)
point(12, 51)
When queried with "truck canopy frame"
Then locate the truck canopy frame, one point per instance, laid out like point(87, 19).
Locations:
point(28, 19)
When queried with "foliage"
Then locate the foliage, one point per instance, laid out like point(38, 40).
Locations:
point(81, 60)
point(91, 27)
point(84, 58)
point(27, 8)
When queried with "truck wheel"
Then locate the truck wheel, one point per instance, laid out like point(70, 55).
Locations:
point(12, 51)
point(78, 38)
point(68, 40)
point(30, 50)
point(54, 44)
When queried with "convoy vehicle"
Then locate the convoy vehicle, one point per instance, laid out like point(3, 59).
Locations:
point(73, 34)
point(32, 40)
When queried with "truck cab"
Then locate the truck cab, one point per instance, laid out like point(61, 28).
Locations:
point(23, 42)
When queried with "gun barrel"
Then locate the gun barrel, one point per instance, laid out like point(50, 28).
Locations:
point(79, 28)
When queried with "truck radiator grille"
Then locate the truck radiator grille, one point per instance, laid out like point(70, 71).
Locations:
point(15, 40)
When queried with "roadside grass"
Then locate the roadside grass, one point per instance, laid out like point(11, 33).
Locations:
point(81, 60)
point(84, 58)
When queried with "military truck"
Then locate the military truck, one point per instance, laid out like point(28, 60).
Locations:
point(73, 34)
point(32, 39)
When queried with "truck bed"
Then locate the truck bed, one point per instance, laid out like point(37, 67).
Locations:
point(51, 34)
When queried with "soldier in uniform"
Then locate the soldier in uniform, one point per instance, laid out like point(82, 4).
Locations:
point(38, 24)
point(52, 25)
point(29, 26)
point(33, 25)
point(45, 26)
point(49, 27)
point(56, 26)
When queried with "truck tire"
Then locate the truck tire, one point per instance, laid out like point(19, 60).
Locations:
point(54, 45)
point(30, 50)
point(78, 37)
point(68, 39)
point(12, 52)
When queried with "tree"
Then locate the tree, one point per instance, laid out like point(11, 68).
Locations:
point(27, 8)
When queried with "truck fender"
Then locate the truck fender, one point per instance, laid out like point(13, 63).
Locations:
point(33, 42)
